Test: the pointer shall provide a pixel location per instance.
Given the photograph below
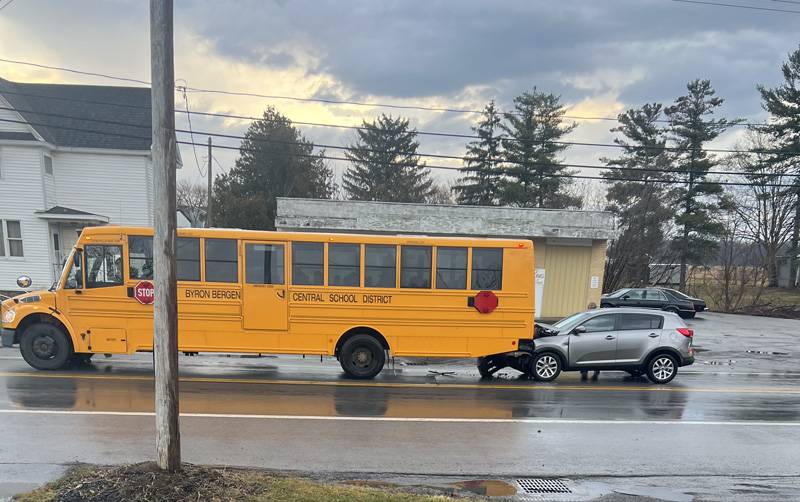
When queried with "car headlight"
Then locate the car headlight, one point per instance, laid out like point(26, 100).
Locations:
point(9, 315)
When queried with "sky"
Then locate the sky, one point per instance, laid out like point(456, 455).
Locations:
point(601, 56)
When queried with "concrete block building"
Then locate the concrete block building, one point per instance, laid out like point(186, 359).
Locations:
point(570, 246)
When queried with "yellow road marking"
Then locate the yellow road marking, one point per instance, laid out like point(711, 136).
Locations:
point(400, 385)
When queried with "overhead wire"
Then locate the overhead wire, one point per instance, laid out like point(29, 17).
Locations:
point(191, 134)
point(451, 168)
point(750, 7)
point(308, 99)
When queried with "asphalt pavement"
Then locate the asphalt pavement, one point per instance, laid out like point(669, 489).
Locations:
point(717, 431)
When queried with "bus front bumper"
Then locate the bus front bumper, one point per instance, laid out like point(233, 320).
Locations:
point(7, 336)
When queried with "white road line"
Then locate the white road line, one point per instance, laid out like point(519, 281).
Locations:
point(538, 421)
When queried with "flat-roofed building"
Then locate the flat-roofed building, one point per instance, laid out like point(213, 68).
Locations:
point(570, 246)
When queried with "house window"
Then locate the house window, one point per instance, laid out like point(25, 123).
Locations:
point(48, 164)
point(11, 238)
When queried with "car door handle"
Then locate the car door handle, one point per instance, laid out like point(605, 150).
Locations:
point(609, 337)
point(653, 335)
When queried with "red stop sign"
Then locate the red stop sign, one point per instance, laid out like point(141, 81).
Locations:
point(144, 292)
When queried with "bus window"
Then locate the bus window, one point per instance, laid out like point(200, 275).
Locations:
point(103, 266)
point(451, 268)
point(307, 259)
point(140, 257)
point(415, 266)
point(75, 277)
point(487, 268)
point(222, 260)
point(188, 259)
point(344, 264)
point(380, 265)
point(264, 263)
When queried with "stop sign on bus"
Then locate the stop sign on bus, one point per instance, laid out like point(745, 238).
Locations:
point(144, 292)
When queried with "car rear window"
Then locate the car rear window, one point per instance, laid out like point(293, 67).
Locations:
point(640, 321)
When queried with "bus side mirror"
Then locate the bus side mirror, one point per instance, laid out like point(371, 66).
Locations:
point(24, 281)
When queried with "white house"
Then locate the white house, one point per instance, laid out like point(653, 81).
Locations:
point(70, 156)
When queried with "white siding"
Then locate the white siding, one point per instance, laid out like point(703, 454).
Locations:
point(49, 183)
point(107, 184)
point(20, 196)
point(10, 115)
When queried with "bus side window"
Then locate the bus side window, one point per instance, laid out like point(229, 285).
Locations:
point(140, 257)
point(380, 264)
point(103, 266)
point(487, 268)
point(264, 263)
point(415, 266)
point(75, 277)
point(451, 268)
point(307, 260)
point(344, 264)
point(188, 259)
point(222, 260)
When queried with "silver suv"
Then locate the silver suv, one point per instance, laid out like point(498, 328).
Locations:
point(639, 341)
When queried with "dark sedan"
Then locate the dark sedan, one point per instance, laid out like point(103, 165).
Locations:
point(652, 298)
point(699, 303)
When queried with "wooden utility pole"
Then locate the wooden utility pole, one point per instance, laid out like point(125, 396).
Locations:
point(210, 186)
point(165, 318)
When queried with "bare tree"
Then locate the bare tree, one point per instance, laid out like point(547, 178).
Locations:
point(192, 199)
point(592, 194)
point(441, 193)
point(766, 211)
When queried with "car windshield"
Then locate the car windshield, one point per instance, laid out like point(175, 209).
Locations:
point(568, 321)
point(618, 293)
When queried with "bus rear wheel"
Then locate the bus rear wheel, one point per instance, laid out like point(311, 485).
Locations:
point(45, 347)
point(362, 357)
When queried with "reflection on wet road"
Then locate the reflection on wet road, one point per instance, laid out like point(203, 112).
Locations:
point(287, 390)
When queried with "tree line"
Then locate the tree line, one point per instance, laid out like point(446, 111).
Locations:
point(661, 187)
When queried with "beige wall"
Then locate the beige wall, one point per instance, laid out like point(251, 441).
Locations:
point(569, 267)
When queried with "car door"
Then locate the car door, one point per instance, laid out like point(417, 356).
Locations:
point(637, 334)
point(597, 344)
point(654, 299)
point(632, 298)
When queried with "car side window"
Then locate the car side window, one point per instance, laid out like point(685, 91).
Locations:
point(599, 323)
point(654, 294)
point(635, 294)
point(639, 321)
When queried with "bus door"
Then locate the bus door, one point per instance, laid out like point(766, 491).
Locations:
point(265, 306)
point(97, 304)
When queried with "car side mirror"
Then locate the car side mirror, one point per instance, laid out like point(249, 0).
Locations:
point(578, 330)
point(625, 297)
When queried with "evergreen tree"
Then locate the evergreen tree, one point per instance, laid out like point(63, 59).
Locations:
point(275, 160)
point(691, 127)
point(783, 103)
point(531, 152)
point(385, 165)
point(481, 182)
point(641, 206)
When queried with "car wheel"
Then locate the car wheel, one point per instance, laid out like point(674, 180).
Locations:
point(45, 347)
point(662, 369)
point(362, 357)
point(674, 310)
point(546, 367)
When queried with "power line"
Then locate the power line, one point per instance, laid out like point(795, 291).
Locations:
point(750, 7)
point(422, 133)
point(191, 134)
point(339, 147)
point(6, 4)
point(311, 100)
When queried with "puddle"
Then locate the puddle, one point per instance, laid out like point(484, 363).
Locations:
point(488, 487)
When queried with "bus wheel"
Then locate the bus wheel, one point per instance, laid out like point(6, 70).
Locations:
point(362, 357)
point(45, 347)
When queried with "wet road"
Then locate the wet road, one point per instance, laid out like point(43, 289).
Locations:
point(289, 413)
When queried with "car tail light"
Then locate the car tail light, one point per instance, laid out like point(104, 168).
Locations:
point(686, 332)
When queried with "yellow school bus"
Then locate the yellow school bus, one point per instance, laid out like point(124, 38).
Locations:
point(356, 297)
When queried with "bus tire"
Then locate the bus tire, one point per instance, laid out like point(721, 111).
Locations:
point(362, 357)
point(45, 347)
